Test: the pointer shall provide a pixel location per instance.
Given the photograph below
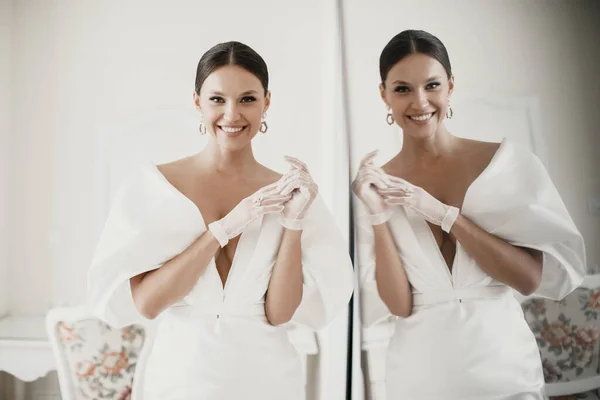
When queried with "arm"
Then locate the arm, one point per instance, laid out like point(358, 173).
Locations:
point(285, 287)
point(285, 290)
point(327, 273)
point(377, 249)
point(312, 277)
point(392, 282)
point(518, 267)
point(384, 278)
point(156, 290)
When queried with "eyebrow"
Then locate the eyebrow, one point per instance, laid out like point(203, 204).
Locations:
point(246, 93)
point(433, 78)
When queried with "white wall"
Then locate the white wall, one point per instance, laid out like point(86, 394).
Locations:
point(506, 49)
point(6, 8)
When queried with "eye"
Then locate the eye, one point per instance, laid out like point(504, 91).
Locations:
point(401, 89)
point(433, 85)
point(217, 99)
point(248, 99)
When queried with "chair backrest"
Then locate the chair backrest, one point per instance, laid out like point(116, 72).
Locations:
point(567, 333)
point(94, 360)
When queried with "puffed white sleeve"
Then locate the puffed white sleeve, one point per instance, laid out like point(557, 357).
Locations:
point(519, 203)
point(148, 224)
point(326, 269)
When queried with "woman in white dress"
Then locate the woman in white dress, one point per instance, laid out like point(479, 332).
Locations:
point(450, 227)
point(223, 251)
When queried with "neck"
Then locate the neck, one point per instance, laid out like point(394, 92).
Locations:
point(416, 150)
point(226, 162)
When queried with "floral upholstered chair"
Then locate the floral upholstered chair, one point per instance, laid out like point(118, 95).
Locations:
point(95, 361)
point(567, 336)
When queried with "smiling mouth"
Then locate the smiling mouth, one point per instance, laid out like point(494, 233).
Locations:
point(421, 117)
point(232, 130)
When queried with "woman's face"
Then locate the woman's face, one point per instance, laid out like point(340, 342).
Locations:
point(417, 91)
point(232, 101)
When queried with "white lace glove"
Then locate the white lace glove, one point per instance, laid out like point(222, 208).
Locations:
point(265, 200)
point(303, 189)
point(403, 193)
point(368, 179)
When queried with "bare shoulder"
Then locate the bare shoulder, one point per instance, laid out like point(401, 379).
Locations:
point(175, 171)
point(479, 150)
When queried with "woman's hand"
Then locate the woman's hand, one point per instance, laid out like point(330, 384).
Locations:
point(268, 199)
point(369, 179)
point(299, 184)
point(403, 193)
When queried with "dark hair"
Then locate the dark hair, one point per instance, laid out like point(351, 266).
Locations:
point(232, 53)
point(410, 42)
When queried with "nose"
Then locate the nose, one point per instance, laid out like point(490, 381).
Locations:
point(420, 100)
point(232, 113)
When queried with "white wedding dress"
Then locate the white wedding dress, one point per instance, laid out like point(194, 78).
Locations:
point(216, 344)
point(466, 338)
